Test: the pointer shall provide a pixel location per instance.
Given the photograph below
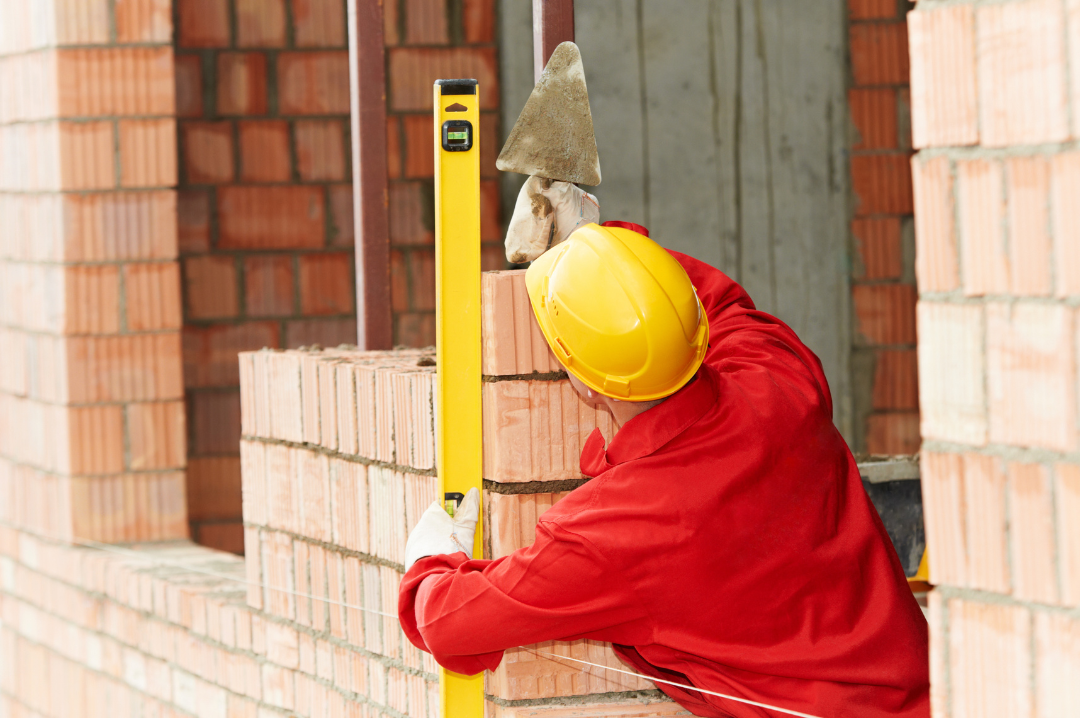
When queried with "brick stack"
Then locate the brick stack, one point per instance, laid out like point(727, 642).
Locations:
point(427, 40)
point(997, 178)
point(91, 402)
point(266, 222)
point(883, 281)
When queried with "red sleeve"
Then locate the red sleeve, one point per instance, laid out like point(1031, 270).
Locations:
point(740, 334)
point(466, 612)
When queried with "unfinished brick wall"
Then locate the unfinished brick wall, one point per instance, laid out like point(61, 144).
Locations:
point(883, 279)
point(91, 402)
point(266, 220)
point(427, 40)
point(996, 115)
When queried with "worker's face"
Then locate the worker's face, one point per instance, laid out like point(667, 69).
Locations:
point(586, 393)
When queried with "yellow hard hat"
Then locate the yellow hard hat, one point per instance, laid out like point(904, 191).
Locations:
point(619, 312)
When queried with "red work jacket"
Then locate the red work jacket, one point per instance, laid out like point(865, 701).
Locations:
point(724, 542)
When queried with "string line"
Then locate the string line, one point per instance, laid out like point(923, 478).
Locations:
point(159, 563)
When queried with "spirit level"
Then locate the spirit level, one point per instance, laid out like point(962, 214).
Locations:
point(458, 444)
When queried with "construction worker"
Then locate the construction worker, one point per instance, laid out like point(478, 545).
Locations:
point(725, 541)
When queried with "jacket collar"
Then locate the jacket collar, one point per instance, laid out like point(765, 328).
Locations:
point(652, 429)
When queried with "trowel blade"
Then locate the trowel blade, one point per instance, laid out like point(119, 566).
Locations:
point(553, 136)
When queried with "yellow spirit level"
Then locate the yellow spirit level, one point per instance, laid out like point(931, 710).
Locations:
point(458, 444)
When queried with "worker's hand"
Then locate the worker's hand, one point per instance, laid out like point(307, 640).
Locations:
point(541, 204)
point(439, 534)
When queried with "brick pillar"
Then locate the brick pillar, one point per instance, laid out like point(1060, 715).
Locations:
point(883, 281)
point(91, 391)
point(996, 116)
point(427, 40)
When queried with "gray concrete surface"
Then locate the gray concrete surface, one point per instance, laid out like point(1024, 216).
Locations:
point(722, 126)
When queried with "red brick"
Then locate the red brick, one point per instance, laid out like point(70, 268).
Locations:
point(1031, 375)
point(980, 514)
point(319, 23)
point(1072, 8)
point(415, 330)
point(885, 313)
point(260, 23)
point(229, 537)
point(407, 212)
point(422, 279)
point(156, 435)
point(426, 22)
point(491, 215)
point(882, 184)
point(143, 21)
point(871, 9)
point(326, 283)
point(895, 433)
point(944, 105)
point(97, 440)
point(264, 151)
point(896, 385)
point(241, 83)
point(124, 367)
point(1028, 182)
point(980, 188)
point(1065, 188)
point(342, 229)
point(313, 83)
point(877, 242)
point(210, 287)
point(936, 264)
point(210, 353)
point(203, 23)
point(394, 163)
point(213, 488)
point(478, 21)
point(215, 422)
point(324, 332)
point(189, 87)
point(1031, 533)
point(208, 152)
point(87, 156)
point(489, 145)
point(193, 221)
point(320, 150)
point(879, 53)
point(126, 81)
point(152, 296)
point(269, 286)
point(271, 217)
point(147, 153)
point(399, 282)
point(413, 71)
point(91, 297)
point(952, 380)
point(1021, 66)
point(1067, 505)
point(492, 257)
point(874, 114)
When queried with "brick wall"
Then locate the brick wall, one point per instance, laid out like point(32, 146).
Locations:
point(427, 40)
point(91, 404)
point(883, 280)
point(995, 109)
point(266, 222)
point(265, 212)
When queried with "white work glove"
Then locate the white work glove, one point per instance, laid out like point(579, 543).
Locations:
point(439, 534)
point(541, 203)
